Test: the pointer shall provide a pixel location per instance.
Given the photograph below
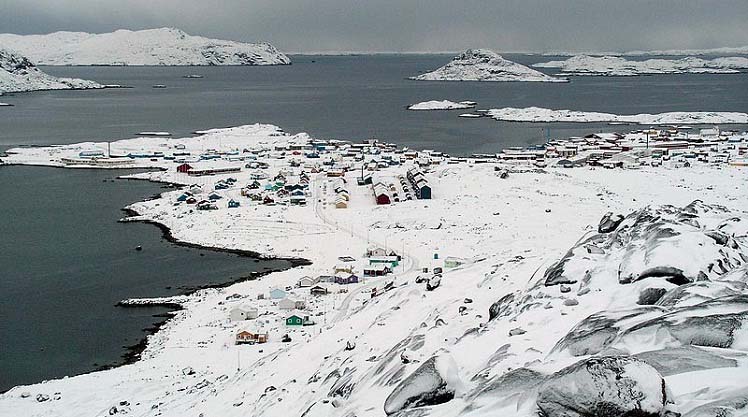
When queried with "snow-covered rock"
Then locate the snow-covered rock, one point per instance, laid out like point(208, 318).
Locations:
point(679, 245)
point(18, 74)
point(618, 66)
point(164, 46)
point(484, 65)
point(434, 382)
point(607, 386)
point(539, 114)
point(441, 105)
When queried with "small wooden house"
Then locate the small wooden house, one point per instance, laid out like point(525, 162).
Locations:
point(233, 203)
point(299, 319)
point(319, 289)
point(243, 313)
point(184, 168)
point(278, 294)
point(250, 338)
point(376, 270)
point(291, 304)
point(307, 281)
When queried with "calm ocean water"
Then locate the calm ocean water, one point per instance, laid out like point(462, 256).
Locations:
point(344, 97)
point(65, 261)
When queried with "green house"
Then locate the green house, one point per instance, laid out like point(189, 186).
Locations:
point(294, 320)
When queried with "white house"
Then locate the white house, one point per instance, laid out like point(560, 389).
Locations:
point(291, 304)
point(307, 281)
point(243, 313)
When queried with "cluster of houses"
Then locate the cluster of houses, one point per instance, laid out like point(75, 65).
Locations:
point(342, 196)
point(419, 183)
point(637, 148)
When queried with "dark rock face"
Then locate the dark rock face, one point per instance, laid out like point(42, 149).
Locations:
point(650, 296)
point(426, 386)
point(609, 222)
point(607, 386)
point(500, 307)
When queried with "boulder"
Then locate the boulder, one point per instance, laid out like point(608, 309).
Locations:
point(609, 222)
point(650, 296)
point(434, 382)
point(500, 307)
point(605, 386)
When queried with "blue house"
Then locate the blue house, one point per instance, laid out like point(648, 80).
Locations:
point(277, 294)
point(233, 203)
point(214, 197)
point(183, 197)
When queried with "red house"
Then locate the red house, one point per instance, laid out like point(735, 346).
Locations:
point(184, 168)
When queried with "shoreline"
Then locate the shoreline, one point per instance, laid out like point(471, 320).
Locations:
point(132, 353)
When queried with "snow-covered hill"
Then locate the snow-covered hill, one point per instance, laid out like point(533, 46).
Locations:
point(18, 74)
point(484, 65)
point(164, 46)
point(617, 66)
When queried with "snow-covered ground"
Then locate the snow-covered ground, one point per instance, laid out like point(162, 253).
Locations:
point(164, 46)
point(539, 114)
point(618, 66)
point(442, 105)
point(18, 74)
point(514, 306)
point(484, 65)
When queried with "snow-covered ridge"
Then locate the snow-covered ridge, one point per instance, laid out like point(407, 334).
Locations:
point(442, 105)
point(539, 114)
point(484, 65)
point(618, 66)
point(19, 74)
point(164, 46)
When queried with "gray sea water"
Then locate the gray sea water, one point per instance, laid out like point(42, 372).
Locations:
point(64, 259)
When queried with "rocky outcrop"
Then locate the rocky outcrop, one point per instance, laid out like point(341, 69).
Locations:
point(678, 245)
point(434, 382)
point(19, 74)
point(607, 386)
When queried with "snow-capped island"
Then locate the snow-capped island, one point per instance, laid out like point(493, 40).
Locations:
point(164, 46)
point(618, 66)
point(442, 105)
point(484, 65)
point(19, 74)
point(539, 115)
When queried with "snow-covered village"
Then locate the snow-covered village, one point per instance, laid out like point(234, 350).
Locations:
point(364, 210)
point(421, 265)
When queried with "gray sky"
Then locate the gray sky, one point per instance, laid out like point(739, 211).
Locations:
point(406, 25)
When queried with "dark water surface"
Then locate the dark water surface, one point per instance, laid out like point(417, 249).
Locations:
point(65, 261)
point(345, 97)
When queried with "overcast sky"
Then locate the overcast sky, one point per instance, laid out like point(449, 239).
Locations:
point(406, 25)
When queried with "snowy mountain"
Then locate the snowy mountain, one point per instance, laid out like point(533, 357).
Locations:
point(165, 46)
point(18, 73)
point(484, 65)
point(617, 66)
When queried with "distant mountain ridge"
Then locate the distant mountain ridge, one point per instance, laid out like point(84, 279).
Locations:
point(164, 46)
